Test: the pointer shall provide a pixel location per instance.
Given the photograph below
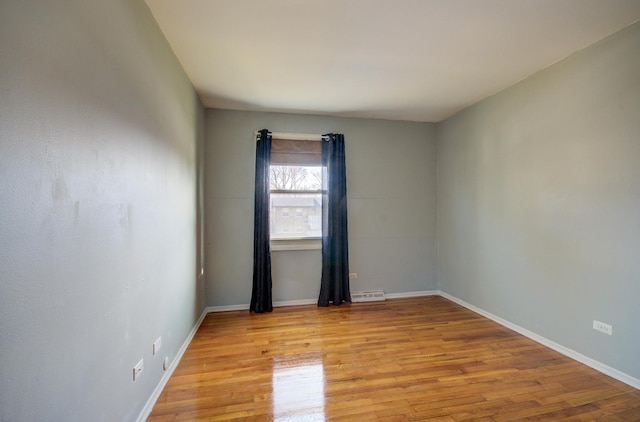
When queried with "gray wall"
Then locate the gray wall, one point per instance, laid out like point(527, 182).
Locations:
point(99, 130)
point(539, 202)
point(101, 170)
point(391, 169)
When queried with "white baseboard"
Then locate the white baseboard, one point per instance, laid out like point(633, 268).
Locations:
point(598, 366)
point(227, 308)
point(297, 302)
point(148, 407)
point(245, 306)
point(405, 295)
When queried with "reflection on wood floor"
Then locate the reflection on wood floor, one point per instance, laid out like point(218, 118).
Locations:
point(408, 359)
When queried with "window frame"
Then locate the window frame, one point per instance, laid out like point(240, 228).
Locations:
point(306, 242)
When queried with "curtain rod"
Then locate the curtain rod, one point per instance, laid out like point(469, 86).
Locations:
point(295, 136)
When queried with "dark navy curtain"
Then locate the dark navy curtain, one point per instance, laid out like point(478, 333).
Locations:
point(261, 293)
point(334, 286)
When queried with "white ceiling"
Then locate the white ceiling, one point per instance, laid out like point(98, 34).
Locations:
point(420, 60)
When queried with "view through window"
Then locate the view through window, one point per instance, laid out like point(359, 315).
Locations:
point(296, 202)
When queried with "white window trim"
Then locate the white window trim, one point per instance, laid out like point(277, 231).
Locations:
point(296, 244)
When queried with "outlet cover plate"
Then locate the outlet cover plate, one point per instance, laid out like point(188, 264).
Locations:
point(156, 345)
point(603, 327)
point(137, 370)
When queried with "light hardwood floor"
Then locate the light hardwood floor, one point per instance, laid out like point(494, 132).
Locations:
point(410, 359)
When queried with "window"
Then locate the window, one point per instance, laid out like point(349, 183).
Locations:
point(298, 187)
point(295, 191)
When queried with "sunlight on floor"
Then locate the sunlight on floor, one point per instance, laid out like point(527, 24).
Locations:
point(298, 390)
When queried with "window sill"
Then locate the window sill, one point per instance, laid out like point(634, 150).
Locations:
point(301, 244)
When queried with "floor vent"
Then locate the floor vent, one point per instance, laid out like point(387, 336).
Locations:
point(371, 296)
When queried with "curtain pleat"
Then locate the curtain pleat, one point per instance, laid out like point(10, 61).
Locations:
point(334, 286)
point(261, 294)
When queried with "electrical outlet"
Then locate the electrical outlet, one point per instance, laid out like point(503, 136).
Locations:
point(156, 345)
point(603, 327)
point(165, 363)
point(353, 276)
point(137, 370)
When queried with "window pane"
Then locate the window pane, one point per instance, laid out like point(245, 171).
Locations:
point(306, 223)
point(296, 178)
point(296, 215)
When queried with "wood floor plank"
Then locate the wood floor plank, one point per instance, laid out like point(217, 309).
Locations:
point(400, 360)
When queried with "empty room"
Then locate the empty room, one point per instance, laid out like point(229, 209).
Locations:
point(319, 210)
